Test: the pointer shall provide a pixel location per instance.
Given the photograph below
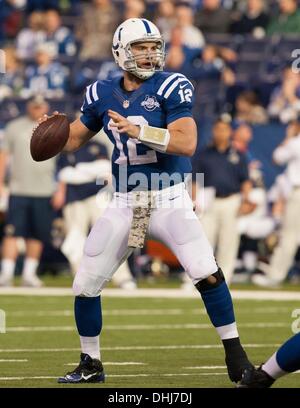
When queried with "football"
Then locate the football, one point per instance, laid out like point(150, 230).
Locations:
point(49, 137)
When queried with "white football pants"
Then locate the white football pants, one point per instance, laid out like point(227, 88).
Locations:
point(172, 221)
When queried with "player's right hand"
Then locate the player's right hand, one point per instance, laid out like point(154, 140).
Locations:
point(45, 117)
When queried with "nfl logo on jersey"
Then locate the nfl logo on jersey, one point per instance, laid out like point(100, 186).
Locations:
point(150, 103)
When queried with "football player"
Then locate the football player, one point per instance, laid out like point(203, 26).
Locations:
point(284, 361)
point(147, 114)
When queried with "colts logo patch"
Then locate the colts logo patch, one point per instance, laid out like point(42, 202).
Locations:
point(150, 103)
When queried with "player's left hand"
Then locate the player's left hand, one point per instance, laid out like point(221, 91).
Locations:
point(123, 125)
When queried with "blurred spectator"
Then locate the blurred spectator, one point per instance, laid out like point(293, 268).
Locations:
point(288, 153)
point(285, 99)
point(288, 20)
point(12, 82)
point(184, 41)
point(10, 18)
point(61, 36)
point(70, 7)
point(5, 11)
point(208, 65)
point(41, 5)
point(165, 16)
point(45, 77)
point(213, 18)
point(95, 29)
point(30, 37)
point(177, 53)
point(226, 188)
point(253, 21)
point(241, 138)
point(89, 71)
point(254, 222)
point(134, 9)
point(192, 37)
point(31, 186)
point(248, 109)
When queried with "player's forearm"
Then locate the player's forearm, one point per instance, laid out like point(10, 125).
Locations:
point(183, 137)
point(78, 136)
point(72, 144)
point(182, 143)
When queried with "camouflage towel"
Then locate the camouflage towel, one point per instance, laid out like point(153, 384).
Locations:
point(141, 207)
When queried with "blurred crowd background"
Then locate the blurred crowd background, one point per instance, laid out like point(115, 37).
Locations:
point(243, 58)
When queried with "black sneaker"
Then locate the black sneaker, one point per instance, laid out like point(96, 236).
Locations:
point(236, 366)
point(235, 358)
point(89, 371)
point(255, 378)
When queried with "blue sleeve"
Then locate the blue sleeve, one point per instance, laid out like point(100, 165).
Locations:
point(90, 117)
point(178, 99)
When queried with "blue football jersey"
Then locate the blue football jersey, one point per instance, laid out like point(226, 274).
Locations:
point(160, 100)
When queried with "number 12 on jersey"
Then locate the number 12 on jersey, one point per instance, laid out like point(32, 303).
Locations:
point(133, 156)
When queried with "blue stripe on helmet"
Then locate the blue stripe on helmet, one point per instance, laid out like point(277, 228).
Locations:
point(115, 47)
point(119, 34)
point(147, 26)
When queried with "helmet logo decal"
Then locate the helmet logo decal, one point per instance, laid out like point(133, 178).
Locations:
point(115, 47)
point(119, 34)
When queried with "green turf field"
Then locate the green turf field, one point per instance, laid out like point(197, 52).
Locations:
point(164, 342)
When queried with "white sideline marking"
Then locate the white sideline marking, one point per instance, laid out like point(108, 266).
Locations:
point(204, 367)
point(52, 350)
point(26, 378)
point(4, 360)
point(146, 312)
point(25, 329)
point(122, 348)
point(112, 312)
point(191, 326)
point(114, 363)
point(155, 293)
point(114, 375)
point(217, 367)
point(121, 375)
